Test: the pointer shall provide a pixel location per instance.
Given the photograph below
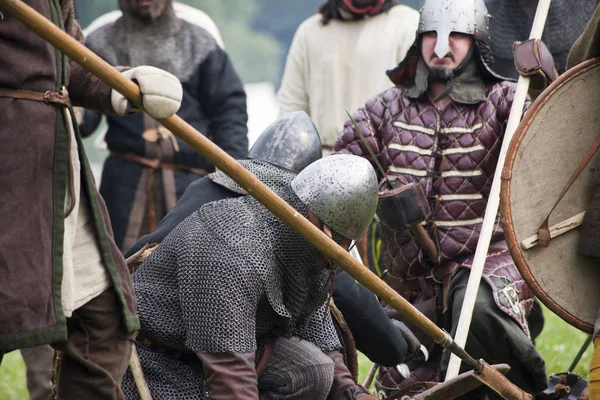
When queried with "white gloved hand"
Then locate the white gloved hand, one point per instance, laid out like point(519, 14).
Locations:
point(161, 92)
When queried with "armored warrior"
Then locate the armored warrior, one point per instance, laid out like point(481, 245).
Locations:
point(233, 302)
point(148, 168)
point(440, 128)
point(65, 281)
point(284, 149)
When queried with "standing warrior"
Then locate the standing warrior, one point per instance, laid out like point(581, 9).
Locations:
point(148, 168)
point(233, 303)
point(65, 282)
point(338, 56)
point(441, 128)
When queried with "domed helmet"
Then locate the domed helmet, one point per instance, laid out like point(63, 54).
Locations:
point(292, 142)
point(446, 16)
point(342, 191)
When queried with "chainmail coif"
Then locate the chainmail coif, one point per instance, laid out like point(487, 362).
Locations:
point(228, 278)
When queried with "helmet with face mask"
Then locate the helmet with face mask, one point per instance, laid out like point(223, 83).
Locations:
point(444, 17)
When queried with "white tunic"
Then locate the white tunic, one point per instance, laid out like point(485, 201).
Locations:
point(337, 67)
point(84, 274)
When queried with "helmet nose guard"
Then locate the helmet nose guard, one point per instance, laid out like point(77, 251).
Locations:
point(446, 16)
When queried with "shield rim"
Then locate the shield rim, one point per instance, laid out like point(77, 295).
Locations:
point(505, 194)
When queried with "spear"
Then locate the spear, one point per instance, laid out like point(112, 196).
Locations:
point(87, 59)
point(491, 210)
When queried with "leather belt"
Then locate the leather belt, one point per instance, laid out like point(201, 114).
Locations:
point(437, 275)
point(156, 163)
point(61, 98)
point(149, 342)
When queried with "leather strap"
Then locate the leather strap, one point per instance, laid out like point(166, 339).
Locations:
point(146, 340)
point(533, 57)
point(544, 230)
point(155, 163)
point(438, 275)
point(61, 98)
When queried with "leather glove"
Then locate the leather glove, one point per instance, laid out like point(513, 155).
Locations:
point(533, 59)
point(413, 344)
point(161, 92)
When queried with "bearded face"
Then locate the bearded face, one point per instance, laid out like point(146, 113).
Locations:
point(146, 10)
point(442, 66)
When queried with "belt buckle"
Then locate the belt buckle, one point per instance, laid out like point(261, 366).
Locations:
point(47, 95)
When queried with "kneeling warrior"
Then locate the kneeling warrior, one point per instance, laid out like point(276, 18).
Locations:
point(284, 149)
point(233, 303)
point(441, 128)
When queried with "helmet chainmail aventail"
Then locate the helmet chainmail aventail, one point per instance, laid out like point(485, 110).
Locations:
point(274, 177)
point(228, 278)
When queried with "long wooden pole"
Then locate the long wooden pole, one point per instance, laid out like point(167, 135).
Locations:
point(491, 211)
point(87, 59)
point(93, 63)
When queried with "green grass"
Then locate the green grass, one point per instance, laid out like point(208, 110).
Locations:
point(558, 343)
point(12, 378)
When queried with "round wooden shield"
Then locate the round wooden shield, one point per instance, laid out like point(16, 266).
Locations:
point(547, 148)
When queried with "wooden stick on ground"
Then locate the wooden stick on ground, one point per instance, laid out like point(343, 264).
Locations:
point(370, 376)
point(138, 375)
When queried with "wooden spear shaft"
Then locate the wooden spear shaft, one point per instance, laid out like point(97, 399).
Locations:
point(93, 63)
point(491, 211)
point(87, 59)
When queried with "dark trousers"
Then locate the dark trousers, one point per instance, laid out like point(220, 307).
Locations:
point(97, 352)
point(496, 338)
point(38, 361)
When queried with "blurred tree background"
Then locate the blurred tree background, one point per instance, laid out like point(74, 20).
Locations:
point(257, 33)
